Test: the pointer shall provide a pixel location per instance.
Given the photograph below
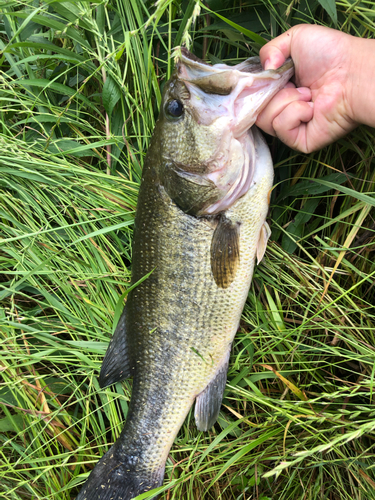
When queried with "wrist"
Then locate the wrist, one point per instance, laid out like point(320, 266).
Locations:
point(362, 82)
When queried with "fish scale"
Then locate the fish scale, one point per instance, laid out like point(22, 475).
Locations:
point(190, 333)
point(175, 334)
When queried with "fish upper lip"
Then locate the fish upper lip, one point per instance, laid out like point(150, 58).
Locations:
point(186, 54)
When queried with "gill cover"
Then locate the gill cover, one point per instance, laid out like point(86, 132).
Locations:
point(208, 149)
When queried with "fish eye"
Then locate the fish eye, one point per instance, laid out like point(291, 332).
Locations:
point(174, 108)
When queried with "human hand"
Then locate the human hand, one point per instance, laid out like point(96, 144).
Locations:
point(320, 110)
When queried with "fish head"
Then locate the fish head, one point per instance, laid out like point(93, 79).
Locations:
point(207, 111)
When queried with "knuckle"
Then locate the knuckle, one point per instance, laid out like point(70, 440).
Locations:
point(298, 107)
point(277, 123)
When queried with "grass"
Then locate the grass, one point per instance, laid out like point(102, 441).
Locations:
point(80, 86)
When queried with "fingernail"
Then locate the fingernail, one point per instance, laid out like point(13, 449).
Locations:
point(267, 64)
point(304, 90)
point(311, 104)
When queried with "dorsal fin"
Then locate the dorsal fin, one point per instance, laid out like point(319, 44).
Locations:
point(117, 364)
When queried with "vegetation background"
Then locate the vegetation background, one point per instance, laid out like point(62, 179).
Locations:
point(80, 87)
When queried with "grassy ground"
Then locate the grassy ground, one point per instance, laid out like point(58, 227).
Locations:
point(80, 87)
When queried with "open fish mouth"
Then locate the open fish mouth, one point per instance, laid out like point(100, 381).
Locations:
point(226, 100)
point(243, 90)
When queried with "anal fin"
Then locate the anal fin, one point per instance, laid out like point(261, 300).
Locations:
point(225, 252)
point(117, 364)
point(208, 402)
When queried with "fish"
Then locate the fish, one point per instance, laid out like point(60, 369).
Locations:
point(200, 225)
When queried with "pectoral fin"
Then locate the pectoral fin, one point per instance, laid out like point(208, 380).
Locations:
point(225, 252)
point(117, 364)
point(208, 402)
point(265, 233)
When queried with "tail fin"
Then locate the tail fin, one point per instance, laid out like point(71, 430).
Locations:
point(119, 477)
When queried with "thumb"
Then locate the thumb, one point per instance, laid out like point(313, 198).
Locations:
point(273, 54)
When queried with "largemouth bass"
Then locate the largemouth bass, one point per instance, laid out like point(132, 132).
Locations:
point(199, 226)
